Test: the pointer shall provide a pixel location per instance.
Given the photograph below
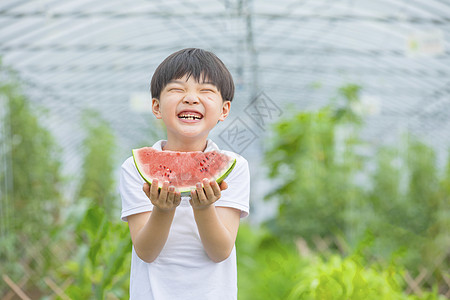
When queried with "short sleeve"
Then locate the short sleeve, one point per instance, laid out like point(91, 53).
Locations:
point(237, 195)
point(134, 200)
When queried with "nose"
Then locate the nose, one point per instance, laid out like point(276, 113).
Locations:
point(190, 99)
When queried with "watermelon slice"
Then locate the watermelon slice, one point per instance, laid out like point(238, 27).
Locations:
point(182, 169)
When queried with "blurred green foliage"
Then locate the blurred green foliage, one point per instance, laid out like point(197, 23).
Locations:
point(82, 242)
point(99, 266)
point(410, 205)
point(31, 181)
point(97, 182)
point(269, 268)
point(402, 199)
point(316, 169)
point(35, 172)
point(100, 263)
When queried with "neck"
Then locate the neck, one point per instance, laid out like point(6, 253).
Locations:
point(187, 145)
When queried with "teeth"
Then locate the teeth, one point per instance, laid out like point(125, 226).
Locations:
point(189, 117)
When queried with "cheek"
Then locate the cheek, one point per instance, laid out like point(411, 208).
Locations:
point(168, 105)
point(215, 109)
point(213, 102)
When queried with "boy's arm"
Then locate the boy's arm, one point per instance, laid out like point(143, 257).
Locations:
point(149, 230)
point(217, 226)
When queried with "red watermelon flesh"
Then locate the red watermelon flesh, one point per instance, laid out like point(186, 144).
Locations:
point(182, 169)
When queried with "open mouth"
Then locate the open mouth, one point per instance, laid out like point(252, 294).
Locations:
point(190, 116)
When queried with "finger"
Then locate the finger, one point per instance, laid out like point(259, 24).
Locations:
point(216, 189)
point(154, 189)
point(177, 199)
point(171, 194)
point(194, 198)
point(223, 185)
point(164, 190)
point(208, 189)
point(146, 189)
point(200, 193)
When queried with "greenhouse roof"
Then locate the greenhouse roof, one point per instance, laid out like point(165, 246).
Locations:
point(72, 55)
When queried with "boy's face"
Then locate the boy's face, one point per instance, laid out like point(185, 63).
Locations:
point(190, 109)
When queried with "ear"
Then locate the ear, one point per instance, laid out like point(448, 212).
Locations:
point(156, 109)
point(226, 107)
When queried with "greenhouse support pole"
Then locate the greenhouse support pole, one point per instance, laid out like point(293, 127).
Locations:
point(5, 158)
point(251, 49)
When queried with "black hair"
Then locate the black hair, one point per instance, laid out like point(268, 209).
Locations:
point(202, 64)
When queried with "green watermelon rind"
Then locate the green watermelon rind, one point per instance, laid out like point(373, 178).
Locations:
point(186, 192)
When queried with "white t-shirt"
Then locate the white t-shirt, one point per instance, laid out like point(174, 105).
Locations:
point(183, 270)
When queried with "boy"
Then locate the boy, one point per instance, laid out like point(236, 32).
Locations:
point(183, 247)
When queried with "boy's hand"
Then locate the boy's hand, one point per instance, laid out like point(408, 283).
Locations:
point(210, 193)
point(167, 199)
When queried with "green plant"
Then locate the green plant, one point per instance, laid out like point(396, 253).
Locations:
point(347, 279)
point(100, 262)
point(97, 182)
point(411, 209)
point(268, 268)
point(313, 160)
point(311, 154)
point(100, 266)
point(31, 183)
point(34, 168)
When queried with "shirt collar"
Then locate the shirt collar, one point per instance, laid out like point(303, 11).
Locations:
point(210, 145)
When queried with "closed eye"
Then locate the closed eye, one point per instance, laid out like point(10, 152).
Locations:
point(209, 90)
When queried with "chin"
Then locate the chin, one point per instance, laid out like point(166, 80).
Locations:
point(190, 134)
